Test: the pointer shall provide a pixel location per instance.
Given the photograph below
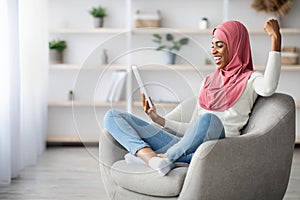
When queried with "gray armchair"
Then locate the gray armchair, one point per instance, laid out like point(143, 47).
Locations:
point(255, 165)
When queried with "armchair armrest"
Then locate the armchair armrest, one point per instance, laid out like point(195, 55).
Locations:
point(110, 151)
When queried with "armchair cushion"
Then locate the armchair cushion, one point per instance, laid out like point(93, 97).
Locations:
point(144, 180)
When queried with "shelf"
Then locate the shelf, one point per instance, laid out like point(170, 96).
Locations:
point(103, 104)
point(87, 31)
point(297, 140)
point(109, 104)
point(70, 139)
point(157, 67)
point(84, 103)
point(210, 68)
point(292, 68)
point(177, 68)
point(162, 30)
point(65, 139)
point(64, 67)
point(168, 30)
point(124, 67)
point(80, 67)
point(289, 31)
point(133, 31)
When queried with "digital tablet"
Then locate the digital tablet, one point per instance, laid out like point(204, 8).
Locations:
point(141, 85)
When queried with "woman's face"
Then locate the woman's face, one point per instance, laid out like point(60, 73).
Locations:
point(220, 53)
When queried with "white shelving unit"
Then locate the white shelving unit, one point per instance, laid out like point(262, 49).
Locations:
point(293, 68)
point(102, 104)
point(87, 31)
point(291, 31)
point(124, 43)
point(79, 67)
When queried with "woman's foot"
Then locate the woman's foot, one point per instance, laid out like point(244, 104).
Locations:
point(145, 154)
point(131, 159)
point(164, 155)
point(161, 165)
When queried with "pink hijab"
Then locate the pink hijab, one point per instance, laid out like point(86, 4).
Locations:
point(223, 88)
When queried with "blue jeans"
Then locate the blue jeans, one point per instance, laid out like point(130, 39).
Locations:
point(134, 134)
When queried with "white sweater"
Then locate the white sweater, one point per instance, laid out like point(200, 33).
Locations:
point(236, 117)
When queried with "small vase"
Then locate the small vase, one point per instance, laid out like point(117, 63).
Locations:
point(203, 24)
point(171, 58)
point(98, 22)
point(71, 95)
point(56, 57)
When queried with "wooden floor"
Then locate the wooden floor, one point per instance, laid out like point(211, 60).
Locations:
point(72, 173)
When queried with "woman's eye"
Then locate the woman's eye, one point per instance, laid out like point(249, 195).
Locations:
point(218, 45)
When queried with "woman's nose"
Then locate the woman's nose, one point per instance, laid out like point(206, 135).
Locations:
point(213, 50)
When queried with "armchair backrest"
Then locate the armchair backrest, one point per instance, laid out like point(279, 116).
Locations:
point(268, 111)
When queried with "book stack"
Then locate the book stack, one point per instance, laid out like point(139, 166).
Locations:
point(116, 87)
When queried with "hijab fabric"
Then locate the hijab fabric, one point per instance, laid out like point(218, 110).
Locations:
point(222, 89)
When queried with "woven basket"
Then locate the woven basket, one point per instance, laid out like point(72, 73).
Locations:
point(289, 58)
point(139, 23)
point(147, 20)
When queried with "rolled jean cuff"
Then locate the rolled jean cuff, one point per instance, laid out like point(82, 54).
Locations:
point(174, 153)
point(134, 150)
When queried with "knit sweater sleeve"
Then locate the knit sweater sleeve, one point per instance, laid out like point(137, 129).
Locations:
point(178, 119)
point(266, 85)
point(177, 128)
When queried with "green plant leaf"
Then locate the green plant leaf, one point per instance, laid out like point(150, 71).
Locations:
point(98, 12)
point(157, 36)
point(176, 46)
point(161, 47)
point(58, 45)
point(169, 37)
point(168, 42)
point(184, 41)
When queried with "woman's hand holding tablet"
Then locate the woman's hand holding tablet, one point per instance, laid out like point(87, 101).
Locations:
point(141, 85)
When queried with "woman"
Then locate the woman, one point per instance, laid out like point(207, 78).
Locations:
point(225, 101)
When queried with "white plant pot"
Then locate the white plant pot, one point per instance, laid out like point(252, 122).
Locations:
point(55, 57)
point(203, 24)
point(98, 22)
point(171, 58)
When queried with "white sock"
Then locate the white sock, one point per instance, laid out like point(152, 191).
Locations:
point(131, 159)
point(161, 165)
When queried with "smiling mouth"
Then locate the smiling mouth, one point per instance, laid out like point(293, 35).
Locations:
point(217, 59)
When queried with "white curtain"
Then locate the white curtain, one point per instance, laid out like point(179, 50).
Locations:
point(23, 84)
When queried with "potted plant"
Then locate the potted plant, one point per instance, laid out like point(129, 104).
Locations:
point(170, 44)
point(56, 50)
point(98, 13)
